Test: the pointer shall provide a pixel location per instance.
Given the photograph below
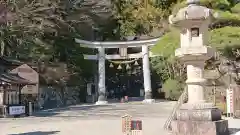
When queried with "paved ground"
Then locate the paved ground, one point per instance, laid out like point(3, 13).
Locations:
point(89, 120)
point(92, 120)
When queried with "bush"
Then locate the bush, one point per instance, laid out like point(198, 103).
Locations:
point(172, 89)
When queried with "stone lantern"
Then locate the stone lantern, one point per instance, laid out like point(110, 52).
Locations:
point(196, 117)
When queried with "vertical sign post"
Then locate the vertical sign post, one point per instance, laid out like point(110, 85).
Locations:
point(229, 97)
point(126, 124)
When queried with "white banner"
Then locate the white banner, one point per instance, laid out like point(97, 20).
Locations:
point(16, 110)
point(89, 89)
point(229, 99)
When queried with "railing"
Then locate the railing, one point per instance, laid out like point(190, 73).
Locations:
point(181, 100)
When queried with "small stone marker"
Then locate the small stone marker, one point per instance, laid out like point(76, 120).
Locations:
point(131, 127)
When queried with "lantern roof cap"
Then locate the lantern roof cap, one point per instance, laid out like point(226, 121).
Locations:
point(192, 13)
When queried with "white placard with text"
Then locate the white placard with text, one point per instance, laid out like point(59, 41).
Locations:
point(16, 110)
point(229, 99)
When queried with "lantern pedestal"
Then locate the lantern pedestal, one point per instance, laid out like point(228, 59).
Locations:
point(192, 127)
point(199, 119)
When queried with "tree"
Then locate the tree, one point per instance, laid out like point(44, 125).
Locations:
point(172, 89)
point(137, 17)
point(223, 32)
point(44, 31)
point(224, 36)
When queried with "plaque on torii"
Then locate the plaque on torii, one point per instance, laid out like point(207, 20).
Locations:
point(123, 52)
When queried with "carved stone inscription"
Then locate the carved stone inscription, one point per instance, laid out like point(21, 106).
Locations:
point(200, 115)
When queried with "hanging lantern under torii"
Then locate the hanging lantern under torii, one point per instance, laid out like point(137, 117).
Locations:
point(128, 66)
point(119, 67)
point(111, 65)
point(136, 63)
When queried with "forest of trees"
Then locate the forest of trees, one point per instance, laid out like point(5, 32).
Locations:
point(43, 31)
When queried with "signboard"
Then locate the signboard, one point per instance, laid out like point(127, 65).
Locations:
point(16, 110)
point(230, 98)
point(136, 125)
point(236, 101)
point(89, 89)
point(123, 52)
point(131, 127)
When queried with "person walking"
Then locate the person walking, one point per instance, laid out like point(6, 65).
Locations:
point(124, 97)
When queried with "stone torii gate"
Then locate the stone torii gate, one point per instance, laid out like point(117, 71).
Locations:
point(123, 45)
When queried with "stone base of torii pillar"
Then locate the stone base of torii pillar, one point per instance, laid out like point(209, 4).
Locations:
point(148, 101)
point(101, 103)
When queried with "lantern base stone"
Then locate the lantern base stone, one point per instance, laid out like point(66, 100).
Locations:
point(191, 127)
point(198, 112)
point(199, 119)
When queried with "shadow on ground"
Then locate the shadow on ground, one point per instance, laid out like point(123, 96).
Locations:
point(56, 111)
point(232, 131)
point(111, 110)
point(38, 133)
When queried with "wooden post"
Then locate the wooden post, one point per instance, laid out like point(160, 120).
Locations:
point(126, 124)
point(30, 108)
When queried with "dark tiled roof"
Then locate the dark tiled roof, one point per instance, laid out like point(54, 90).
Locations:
point(14, 79)
point(9, 62)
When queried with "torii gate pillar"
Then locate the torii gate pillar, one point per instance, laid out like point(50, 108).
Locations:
point(146, 75)
point(102, 99)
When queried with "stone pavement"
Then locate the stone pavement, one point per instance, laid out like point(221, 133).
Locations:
point(89, 120)
point(92, 120)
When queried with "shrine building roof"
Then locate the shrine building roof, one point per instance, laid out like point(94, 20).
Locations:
point(13, 78)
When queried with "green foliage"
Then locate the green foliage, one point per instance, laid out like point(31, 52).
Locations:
point(213, 4)
point(228, 17)
point(159, 65)
point(34, 25)
point(44, 31)
point(236, 8)
point(172, 89)
point(219, 38)
point(224, 35)
point(137, 17)
point(216, 4)
point(167, 44)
